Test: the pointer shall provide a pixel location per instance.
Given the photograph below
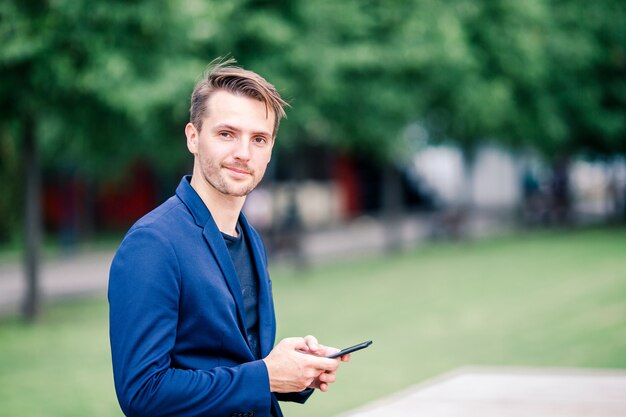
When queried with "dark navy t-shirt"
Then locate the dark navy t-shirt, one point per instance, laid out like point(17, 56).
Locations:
point(244, 266)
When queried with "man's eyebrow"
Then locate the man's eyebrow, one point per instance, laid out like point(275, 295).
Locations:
point(227, 126)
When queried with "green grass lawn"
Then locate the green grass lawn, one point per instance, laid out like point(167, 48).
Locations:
point(540, 300)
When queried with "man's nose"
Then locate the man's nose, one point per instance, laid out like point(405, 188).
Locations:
point(242, 150)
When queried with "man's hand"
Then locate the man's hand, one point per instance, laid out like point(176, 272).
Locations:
point(297, 363)
point(317, 349)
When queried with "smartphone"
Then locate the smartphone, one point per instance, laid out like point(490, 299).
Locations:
point(350, 349)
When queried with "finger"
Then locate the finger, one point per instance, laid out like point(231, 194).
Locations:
point(328, 377)
point(315, 384)
point(330, 350)
point(346, 358)
point(313, 345)
point(311, 341)
point(295, 343)
point(325, 364)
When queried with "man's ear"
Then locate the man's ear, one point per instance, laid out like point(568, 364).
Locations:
point(192, 138)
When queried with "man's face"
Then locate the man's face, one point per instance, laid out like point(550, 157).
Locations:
point(234, 146)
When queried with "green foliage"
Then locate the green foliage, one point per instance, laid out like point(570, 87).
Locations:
point(590, 82)
point(113, 78)
point(94, 81)
point(104, 83)
point(548, 75)
point(90, 76)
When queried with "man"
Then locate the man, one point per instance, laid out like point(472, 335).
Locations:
point(191, 313)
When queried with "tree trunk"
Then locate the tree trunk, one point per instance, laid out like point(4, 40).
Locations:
point(392, 208)
point(560, 199)
point(623, 204)
point(32, 220)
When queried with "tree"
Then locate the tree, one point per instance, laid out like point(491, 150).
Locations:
point(82, 81)
point(541, 74)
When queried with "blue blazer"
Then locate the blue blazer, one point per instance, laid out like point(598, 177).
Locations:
point(177, 328)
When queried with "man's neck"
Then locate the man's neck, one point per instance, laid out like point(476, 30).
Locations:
point(224, 209)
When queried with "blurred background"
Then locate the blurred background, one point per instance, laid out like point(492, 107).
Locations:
point(453, 173)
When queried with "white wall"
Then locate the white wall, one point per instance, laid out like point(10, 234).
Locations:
point(493, 182)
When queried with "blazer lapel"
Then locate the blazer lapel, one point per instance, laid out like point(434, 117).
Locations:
point(267, 324)
point(215, 241)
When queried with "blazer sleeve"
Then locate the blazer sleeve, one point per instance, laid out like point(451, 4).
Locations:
point(144, 288)
point(296, 397)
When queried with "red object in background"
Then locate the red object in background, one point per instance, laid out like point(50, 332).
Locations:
point(123, 202)
point(345, 175)
point(63, 203)
point(118, 204)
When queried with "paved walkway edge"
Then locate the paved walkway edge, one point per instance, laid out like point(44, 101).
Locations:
point(478, 370)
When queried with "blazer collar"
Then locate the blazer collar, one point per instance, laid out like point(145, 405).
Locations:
point(192, 200)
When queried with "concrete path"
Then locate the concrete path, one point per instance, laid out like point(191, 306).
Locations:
point(509, 392)
point(65, 276)
point(87, 272)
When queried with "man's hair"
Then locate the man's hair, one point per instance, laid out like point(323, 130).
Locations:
point(222, 75)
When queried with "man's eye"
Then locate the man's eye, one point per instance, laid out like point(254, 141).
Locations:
point(225, 134)
point(260, 140)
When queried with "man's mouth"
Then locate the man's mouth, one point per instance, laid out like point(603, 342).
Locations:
point(238, 170)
